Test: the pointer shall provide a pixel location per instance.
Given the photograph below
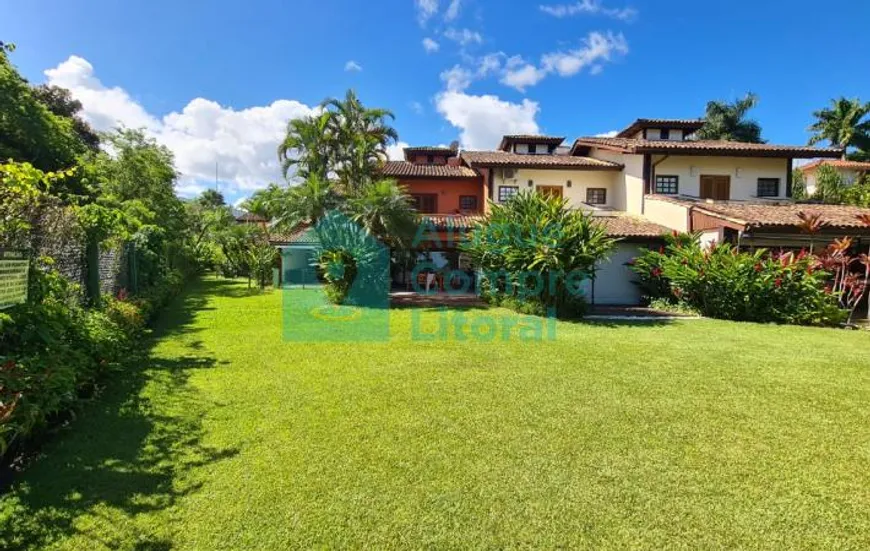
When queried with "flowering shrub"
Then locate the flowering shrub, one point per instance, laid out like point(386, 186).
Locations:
point(722, 282)
point(54, 351)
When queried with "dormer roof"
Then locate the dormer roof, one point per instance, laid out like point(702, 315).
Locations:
point(411, 152)
point(691, 125)
point(510, 139)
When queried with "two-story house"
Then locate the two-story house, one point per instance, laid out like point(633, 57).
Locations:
point(849, 171)
point(653, 177)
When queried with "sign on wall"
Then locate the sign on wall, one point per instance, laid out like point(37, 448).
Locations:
point(13, 280)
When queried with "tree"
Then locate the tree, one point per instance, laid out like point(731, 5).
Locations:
point(30, 132)
point(798, 186)
point(211, 198)
point(60, 102)
point(843, 124)
point(537, 250)
point(384, 210)
point(829, 185)
point(266, 202)
point(307, 203)
point(360, 136)
point(308, 146)
point(727, 121)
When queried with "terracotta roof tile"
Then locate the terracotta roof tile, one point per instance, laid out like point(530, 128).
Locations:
point(404, 169)
point(302, 235)
point(631, 226)
point(250, 217)
point(529, 138)
point(503, 158)
point(837, 163)
point(443, 222)
point(707, 147)
point(640, 124)
point(761, 215)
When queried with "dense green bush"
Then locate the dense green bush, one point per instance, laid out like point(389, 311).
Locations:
point(535, 253)
point(55, 351)
point(722, 282)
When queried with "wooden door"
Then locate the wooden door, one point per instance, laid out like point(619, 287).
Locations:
point(716, 187)
point(550, 191)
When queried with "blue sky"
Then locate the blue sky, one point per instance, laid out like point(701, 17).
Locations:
point(217, 80)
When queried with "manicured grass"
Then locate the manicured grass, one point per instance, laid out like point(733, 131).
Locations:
point(687, 434)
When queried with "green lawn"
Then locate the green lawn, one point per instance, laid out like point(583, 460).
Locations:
point(687, 434)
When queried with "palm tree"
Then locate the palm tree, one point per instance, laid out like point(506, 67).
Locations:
point(842, 124)
point(266, 202)
point(360, 137)
point(727, 121)
point(384, 210)
point(306, 203)
point(308, 146)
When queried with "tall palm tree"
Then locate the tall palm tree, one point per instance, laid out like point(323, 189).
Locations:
point(727, 121)
point(360, 137)
point(266, 202)
point(306, 203)
point(384, 210)
point(842, 124)
point(308, 146)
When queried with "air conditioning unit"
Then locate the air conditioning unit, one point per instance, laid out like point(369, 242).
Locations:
point(508, 173)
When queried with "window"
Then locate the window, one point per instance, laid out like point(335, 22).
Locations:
point(669, 185)
point(506, 192)
point(425, 203)
point(532, 149)
point(596, 196)
point(665, 134)
point(468, 202)
point(768, 187)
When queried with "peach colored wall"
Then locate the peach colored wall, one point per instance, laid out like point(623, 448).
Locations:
point(448, 191)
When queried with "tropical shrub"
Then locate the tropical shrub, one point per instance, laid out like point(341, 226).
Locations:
point(54, 352)
point(722, 282)
point(536, 249)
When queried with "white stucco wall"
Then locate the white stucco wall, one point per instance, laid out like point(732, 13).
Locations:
point(656, 134)
point(709, 237)
point(614, 280)
point(744, 173)
point(581, 180)
point(669, 215)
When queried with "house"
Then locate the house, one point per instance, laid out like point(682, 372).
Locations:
point(850, 171)
point(653, 177)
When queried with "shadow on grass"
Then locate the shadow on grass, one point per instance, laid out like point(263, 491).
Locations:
point(127, 453)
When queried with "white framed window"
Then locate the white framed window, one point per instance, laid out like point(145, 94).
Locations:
point(506, 192)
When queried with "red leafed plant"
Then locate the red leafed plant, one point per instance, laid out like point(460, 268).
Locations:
point(847, 285)
point(811, 223)
point(865, 219)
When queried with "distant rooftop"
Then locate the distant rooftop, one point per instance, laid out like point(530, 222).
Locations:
point(680, 124)
point(529, 138)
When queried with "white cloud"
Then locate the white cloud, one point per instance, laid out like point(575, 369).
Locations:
point(352, 66)
point(589, 7)
point(523, 76)
point(514, 71)
point(597, 47)
point(430, 45)
point(483, 120)
point(463, 36)
point(242, 142)
point(608, 134)
point(396, 151)
point(416, 107)
point(453, 10)
point(425, 10)
point(457, 78)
